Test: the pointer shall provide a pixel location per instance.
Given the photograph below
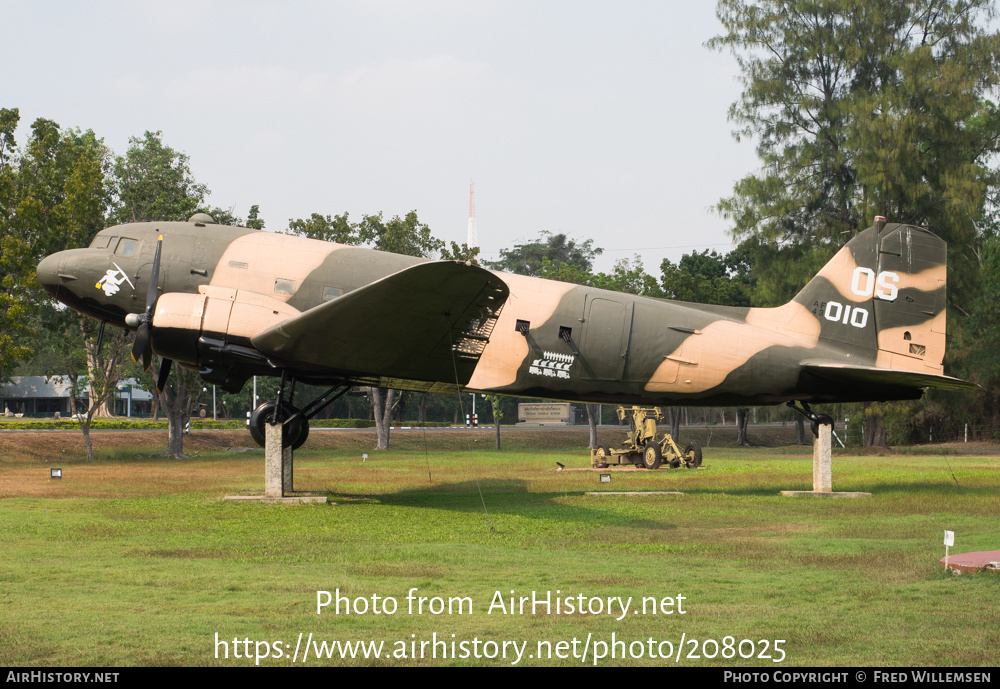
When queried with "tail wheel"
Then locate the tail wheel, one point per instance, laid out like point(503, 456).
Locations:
point(652, 456)
point(294, 435)
point(692, 456)
point(602, 454)
point(821, 420)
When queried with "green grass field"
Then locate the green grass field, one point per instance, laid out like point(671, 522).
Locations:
point(138, 561)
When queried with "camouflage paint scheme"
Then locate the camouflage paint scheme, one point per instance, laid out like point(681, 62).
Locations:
point(236, 302)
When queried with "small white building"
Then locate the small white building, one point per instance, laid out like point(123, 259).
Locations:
point(38, 396)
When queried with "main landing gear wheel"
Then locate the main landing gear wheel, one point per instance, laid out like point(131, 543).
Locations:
point(293, 436)
point(652, 456)
point(601, 456)
point(692, 456)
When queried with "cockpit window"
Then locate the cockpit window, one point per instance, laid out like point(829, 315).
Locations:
point(100, 242)
point(126, 247)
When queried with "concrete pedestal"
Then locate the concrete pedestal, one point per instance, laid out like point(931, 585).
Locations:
point(823, 470)
point(278, 470)
point(823, 460)
point(277, 463)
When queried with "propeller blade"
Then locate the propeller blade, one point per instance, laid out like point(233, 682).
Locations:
point(100, 337)
point(141, 339)
point(154, 279)
point(141, 347)
point(161, 380)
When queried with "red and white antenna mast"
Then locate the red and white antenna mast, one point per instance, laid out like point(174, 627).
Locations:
point(473, 238)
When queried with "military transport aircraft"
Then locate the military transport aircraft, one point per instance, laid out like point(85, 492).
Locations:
point(234, 302)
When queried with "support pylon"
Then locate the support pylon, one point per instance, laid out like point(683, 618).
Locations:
point(278, 472)
point(823, 469)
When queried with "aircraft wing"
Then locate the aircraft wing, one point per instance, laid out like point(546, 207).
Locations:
point(429, 322)
point(872, 375)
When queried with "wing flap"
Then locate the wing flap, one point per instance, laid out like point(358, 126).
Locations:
point(872, 375)
point(428, 322)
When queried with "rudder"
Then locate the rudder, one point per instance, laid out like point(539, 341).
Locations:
point(884, 295)
point(911, 327)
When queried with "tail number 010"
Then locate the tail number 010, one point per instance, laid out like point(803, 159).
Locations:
point(855, 316)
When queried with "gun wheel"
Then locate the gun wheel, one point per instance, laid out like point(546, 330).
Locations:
point(652, 457)
point(692, 456)
point(601, 456)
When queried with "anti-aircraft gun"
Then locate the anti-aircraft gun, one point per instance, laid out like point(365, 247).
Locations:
point(641, 447)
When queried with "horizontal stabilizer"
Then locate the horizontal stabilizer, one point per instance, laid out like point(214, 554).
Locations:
point(872, 375)
point(428, 322)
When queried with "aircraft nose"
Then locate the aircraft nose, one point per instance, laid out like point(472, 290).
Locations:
point(48, 274)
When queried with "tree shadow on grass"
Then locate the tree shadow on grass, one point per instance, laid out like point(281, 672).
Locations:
point(505, 497)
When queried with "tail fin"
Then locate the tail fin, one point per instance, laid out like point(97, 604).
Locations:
point(884, 296)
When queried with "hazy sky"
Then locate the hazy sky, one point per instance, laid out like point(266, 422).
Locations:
point(601, 120)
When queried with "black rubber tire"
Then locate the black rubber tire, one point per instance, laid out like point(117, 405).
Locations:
point(652, 456)
point(303, 435)
point(256, 424)
point(821, 419)
point(262, 415)
point(692, 456)
point(602, 455)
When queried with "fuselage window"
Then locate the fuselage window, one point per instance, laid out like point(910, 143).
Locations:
point(331, 293)
point(126, 247)
point(100, 242)
point(283, 286)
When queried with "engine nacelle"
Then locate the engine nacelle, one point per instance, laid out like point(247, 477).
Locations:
point(218, 313)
